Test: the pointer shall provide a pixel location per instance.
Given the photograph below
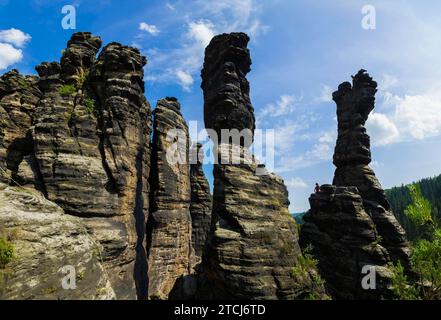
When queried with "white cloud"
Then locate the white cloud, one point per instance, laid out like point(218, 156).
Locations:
point(15, 37)
point(150, 28)
point(9, 55)
point(412, 117)
point(419, 116)
point(170, 6)
point(325, 94)
point(296, 183)
point(185, 79)
point(195, 32)
point(284, 106)
point(201, 31)
point(382, 130)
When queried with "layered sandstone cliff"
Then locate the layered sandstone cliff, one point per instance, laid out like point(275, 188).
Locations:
point(169, 225)
point(253, 242)
point(79, 133)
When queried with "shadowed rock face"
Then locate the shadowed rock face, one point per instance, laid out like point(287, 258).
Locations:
point(352, 157)
point(18, 97)
point(253, 242)
point(169, 224)
point(227, 103)
point(200, 206)
point(345, 239)
point(350, 224)
point(88, 128)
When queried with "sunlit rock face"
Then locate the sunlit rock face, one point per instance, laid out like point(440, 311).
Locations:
point(80, 134)
point(170, 253)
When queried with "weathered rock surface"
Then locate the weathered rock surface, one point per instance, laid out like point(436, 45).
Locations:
point(82, 137)
point(201, 202)
point(253, 242)
point(169, 224)
point(227, 103)
point(45, 240)
point(352, 157)
point(350, 224)
point(345, 240)
point(18, 97)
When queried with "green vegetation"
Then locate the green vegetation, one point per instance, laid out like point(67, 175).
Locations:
point(401, 197)
point(23, 84)
point(67, 90)
point(90, 105)
point(305, 268)
point(426, 253)
point(7, 250)
point(82, 77)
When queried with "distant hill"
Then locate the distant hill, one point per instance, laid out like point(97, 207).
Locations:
point(399, 199)
point(298, 217)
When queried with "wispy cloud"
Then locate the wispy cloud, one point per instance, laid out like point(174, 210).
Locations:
point(150, 28)
point(196, 24)
point(296, 183)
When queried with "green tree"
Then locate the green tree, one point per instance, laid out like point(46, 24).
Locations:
point(426, 253)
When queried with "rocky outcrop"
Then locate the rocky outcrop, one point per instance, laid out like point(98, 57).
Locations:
point(253, 242)
point(80, 132)
point(169, 223)
point(227, 104)
point(345, 240)
point(352, 157)
point(200, 205)
point(350, 225)
point(48, 246)
point(18, 97)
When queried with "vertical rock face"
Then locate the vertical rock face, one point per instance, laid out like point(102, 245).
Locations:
point(18, 97)
point(253, 241)
point(200, 205)
point(352, 157)
point(350, 225)
point(83, 138)
point(169, 224)
point(227, 103)
point(345, 240)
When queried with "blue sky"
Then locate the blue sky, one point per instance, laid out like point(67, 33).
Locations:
point(301, 51)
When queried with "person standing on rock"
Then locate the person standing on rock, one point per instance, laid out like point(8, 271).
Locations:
point(317, 188)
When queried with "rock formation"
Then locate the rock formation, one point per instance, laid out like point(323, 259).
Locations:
point(200, 205)
point(45, 240)
point(80, 132)
point(344, 239)
point(253, 241)
point(352, 157)
point(227, 104)
point(18, 97)
point(350, 224)
point(169, 223)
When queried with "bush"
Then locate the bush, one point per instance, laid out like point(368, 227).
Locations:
point(6, 252)
point(90, 105)
point(67, 90)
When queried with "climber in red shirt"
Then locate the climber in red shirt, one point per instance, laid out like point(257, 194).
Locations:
point(317, 188)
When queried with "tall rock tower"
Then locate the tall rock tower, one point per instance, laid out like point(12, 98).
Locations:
point(253, 241)
point(169, 224)
point(350, 226)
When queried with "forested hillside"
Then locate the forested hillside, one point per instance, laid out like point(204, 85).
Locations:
point(399, 198)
